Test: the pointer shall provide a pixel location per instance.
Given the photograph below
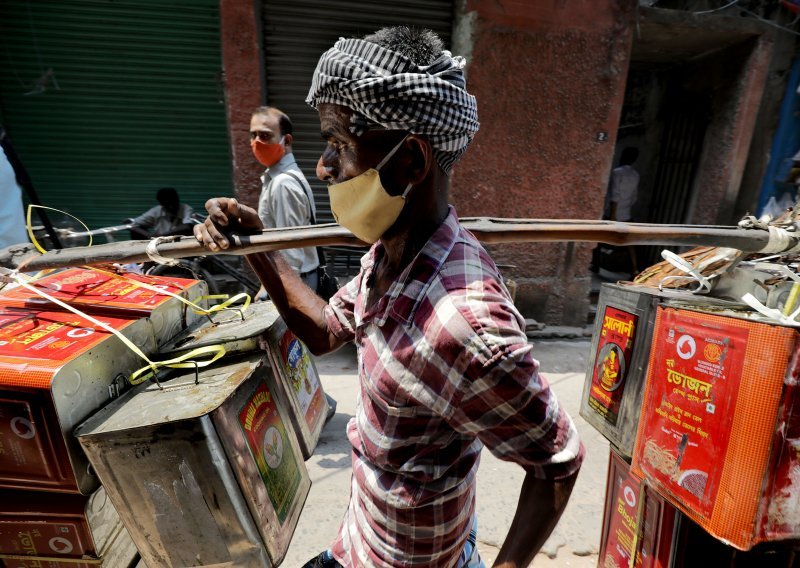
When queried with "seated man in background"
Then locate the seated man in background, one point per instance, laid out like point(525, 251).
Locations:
point(170, 217)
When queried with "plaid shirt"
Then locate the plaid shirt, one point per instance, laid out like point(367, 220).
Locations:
point(445, 368)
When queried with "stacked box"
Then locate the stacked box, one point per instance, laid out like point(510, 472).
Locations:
point(297, 373)
point(37, 529)
point(636, 518)
point(56, 369)
point(612, 393)
point(261, 327)
point(205, 471)
point(118, 295)
point(636, 521)
point(720, 436)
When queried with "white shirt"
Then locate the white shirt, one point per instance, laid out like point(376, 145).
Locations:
point(12, 216)
point(284, 202)
point(161, 222)
point(623, 190)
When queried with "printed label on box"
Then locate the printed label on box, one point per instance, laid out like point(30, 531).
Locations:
point(304, 382)
point(266, 435)
point(42, 539)
point(694, 381)
point(21, 446)
point(622, 523)
point(55, 336)
point(82, 286)
point(611, 366)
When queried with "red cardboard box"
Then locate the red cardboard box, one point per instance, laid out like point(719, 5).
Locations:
point(636, 519)
point(720, 434)
point(104, 292)
point(56, 369)
point(55, 531)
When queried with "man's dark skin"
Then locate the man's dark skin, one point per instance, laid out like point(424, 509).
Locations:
point(346, 156)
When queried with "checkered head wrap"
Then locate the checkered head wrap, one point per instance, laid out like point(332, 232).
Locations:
point(386, 88)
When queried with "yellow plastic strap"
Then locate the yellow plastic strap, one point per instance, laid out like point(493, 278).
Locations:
point(181, 362)
point(152, 366)
point(226, 305)
point(197, 309)
point(29, 225)
point(791, 301)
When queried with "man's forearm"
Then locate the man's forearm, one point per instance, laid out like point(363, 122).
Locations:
point(540, 506)
point(299, 306)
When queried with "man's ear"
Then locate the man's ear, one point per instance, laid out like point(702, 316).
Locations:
point(421, 157)
point(288, 139)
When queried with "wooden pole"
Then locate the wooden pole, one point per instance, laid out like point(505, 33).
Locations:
point(487, 230)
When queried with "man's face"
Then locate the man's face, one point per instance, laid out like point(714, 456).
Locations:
point(170, 204)
point(346, 155)
point(265, 127)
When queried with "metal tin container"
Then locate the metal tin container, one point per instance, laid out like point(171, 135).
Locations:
point(56, 531)
point(298, 374)
point(720, 434)
point(204, 472)
point(612, 393)
point(261, 327)
point(637, 521)
point(239, 331)
point(623, 331)
point(56, 369)
point(118, 295)
point(769, 283)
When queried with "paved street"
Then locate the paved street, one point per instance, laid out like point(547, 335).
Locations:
point(576, 539)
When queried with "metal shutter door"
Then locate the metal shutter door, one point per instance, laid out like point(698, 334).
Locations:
point(135, 102)
point(295, 35)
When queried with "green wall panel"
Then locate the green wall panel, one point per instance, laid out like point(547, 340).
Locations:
point(135, 102)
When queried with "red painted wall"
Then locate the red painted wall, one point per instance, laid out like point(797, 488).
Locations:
point(241, 61)
point(549, 77)
point(727, 141)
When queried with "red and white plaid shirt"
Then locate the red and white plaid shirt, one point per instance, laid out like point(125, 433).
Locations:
point(445, 368)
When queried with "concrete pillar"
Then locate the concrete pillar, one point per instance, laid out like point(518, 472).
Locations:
point(243, 69)
point(550, 82)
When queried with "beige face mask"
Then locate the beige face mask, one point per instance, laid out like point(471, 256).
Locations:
point(362, 205)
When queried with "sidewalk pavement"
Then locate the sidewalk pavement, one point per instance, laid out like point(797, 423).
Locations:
point(576, 539)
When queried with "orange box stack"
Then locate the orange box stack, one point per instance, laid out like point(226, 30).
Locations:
point(39, 530)
point(56, 369)
point(720, 434)
point(636, 520)
point(120, 295)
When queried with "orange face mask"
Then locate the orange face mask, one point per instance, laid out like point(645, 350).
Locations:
point(268, 154)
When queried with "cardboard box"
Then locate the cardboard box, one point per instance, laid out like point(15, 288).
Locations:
point(117, 295)
point(56, 369)
point(55, 531)
point(636, 520)
point(720, 428)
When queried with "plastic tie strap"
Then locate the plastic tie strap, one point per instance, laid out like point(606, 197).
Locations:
point(29, 225)
point(772, 313)
point(182, 362)
point(704, 283)
point(155, 256)
point(225, 305)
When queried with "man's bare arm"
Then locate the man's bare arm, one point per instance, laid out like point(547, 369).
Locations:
point(300, 307)
point(541, 503)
